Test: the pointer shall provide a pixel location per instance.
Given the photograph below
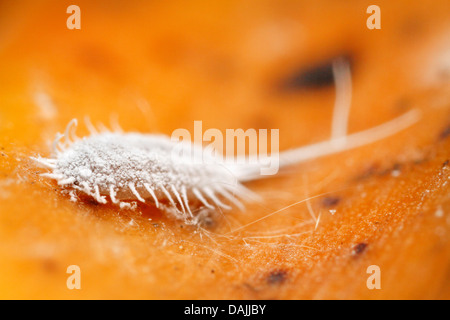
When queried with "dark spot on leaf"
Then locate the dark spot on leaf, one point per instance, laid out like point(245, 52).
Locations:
point(367, 172)
point(395, 168)
point(250, 287)
point(411, 27)
point(445, 133)
point(92, 202)
point(420, 160)
point(318, 76)
point(445, 163)
point(330, 202)
point(49, 265)
point(359, 248)
point(277, 277)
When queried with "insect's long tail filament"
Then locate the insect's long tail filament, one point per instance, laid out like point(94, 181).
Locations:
point(339, 140)
point(351, 141)
point(343, 82)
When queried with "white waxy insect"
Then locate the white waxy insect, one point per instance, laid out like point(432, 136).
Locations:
point(123, 167)
point(143, 167)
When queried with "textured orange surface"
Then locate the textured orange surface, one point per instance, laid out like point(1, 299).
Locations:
point(159, 66)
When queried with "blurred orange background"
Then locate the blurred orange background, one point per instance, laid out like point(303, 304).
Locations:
point(159, 66)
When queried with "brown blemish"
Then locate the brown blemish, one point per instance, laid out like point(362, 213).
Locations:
point(396, 167)
point(250, 287)
point(330, 202)
point(315, 77)
point(445, 163)
point(411, 28)
point(50, 265)
point(375, 170)
point(277, 277)
point(92, 202)
point(359, 248)
point(444, 133)
point(367, 172)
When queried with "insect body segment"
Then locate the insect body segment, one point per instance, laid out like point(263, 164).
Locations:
point(142, 167)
